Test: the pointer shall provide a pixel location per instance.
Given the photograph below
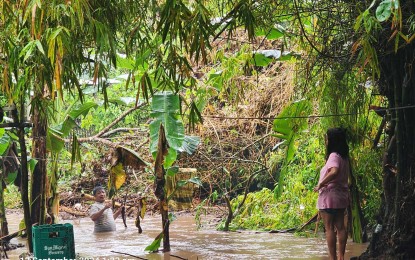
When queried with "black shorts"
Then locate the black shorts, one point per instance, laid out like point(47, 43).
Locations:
point(332, 211)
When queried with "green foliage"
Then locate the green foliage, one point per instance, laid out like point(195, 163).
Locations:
point(262, 211)
point(297, 202)
point(289, 124)
point(154, 246)
point(165, 108)
point(12, 197)
point(368, 174)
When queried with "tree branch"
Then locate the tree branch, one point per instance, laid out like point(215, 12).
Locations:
point(106, 129)
point(121, 129)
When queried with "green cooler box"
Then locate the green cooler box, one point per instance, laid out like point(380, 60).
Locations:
point(53, 241)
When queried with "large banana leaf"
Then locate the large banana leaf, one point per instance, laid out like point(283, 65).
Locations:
point(291, 122)
point(165, 110)
point(287, 126)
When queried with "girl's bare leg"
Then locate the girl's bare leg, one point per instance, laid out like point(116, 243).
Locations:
point(341, 233)
point(328, 220)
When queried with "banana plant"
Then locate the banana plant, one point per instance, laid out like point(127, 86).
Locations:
point(288, 126)
point(167, 139)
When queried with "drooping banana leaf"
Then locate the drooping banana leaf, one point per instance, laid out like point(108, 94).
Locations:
point(129, 158)
point(287, 126)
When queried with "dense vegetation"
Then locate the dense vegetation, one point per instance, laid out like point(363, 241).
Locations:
point(257, 82)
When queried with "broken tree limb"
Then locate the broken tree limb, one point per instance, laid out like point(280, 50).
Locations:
point(11, 236)
point(107, 128)
point(121, 129)
point(313, 219)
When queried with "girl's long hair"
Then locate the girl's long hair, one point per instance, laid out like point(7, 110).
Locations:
point(337, 143)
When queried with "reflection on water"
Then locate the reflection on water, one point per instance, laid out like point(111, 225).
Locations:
point(188, 243)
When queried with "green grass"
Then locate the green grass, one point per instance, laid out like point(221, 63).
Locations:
point(12, 197)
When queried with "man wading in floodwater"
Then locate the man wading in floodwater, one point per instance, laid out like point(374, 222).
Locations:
point(101, 212)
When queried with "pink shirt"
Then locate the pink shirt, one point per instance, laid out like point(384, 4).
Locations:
point(335, 195)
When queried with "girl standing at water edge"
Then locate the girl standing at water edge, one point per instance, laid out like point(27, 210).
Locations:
point(333, 198)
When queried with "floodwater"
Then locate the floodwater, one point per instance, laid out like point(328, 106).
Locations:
point(187, 242)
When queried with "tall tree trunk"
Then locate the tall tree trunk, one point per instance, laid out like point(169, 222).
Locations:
point(24, 180)
point(39, 176)
point(395, 236)
point(3, 221)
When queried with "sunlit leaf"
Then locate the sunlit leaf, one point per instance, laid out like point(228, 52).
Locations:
point(288, 125)
point(39, 46)
point(124, 101)
point(216, 79)
point(125, 63)
point(118, 174)
point(384, 10)
point(270, 34)
point(288, 56)
point(22, 226)
point(4, 143)
point(172, 217)
point(66, 127)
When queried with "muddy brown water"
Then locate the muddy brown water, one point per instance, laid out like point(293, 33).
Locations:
point(187, 242)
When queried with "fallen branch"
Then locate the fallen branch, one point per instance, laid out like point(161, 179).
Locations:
point(9, 237)
point(108, 127)
point(121, 129)
point(311, 220)
point(100, 134)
